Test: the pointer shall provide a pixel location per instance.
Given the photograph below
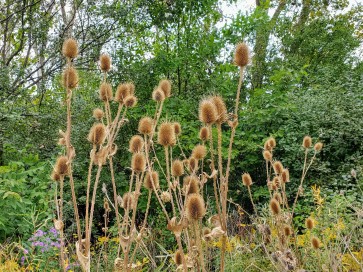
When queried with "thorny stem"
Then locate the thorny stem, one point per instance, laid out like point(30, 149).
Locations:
point(199, 245)
point(253, 204)
point(89, 186)
point(181, 250)
point(166, 149)
point(61, 181)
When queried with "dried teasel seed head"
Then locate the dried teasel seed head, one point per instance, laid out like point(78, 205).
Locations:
point(61, 166)
point(194, 207)
point(177, 168)
point(277, 197)
point(150, 179)
point(242, 55)
point(315, 242)
point(146, 125)
point(221, 108)
point(307, 142)
point(97, 134)
point(267, 146)
point(275, 206)
point(105, 63)
point(318, 146)
point(166, 135)
point(55, 176)
point(199, 152)
point(98, 114)
point(272, 142)
point(58, 225)
point(136, 144)
point(278, 168)
point(246, 180)
point(165, 86)
point(127, 200)
point(165, 197)
point(70, 78)
point(158, 95)
point(118, 264)
point(207, 234)
point(178, 258)
point(131, 87)
point(276, 181)
point(70, 48)
point(207, 112)
point(287, 230)
point(309, 223)
point(130, 101)
point(106, 92)
point(191, 185)
point(122, 91)
point(193, 164)
point(177, 128)
point(204, 134)
point(285, 175)
point(267, 155)
point(138, 162)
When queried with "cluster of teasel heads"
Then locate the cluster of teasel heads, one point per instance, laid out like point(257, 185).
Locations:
point(177, 183)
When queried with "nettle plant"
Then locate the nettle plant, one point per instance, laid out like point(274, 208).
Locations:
point(177, 183)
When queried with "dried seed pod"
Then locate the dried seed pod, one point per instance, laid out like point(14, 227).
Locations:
point(272, 142)
point(61, 166)
point(220, 107)
point(105, 63)
point(106, 92)
point(165, 197)
point(191, 185)
point(277, 197)
point(177, 168)
point(285, 175)
point(267, 155)
point(138, 162)
point(287, 230)
point(275, 206)
point(166, 135)
point(130, 101)
point(58, 225)
point(318, 146)
point(309, 223)
point(241, 56)
point(55, 176)
point(267, 146)
point(307, 142)
point(315, 242)
point(97, 134)
point(178, 258)
point(158, 95)
point(207, 112)
point(70, 48)
point(127, 200)
point(146, 125)
point(199, 152)
point(151, 179)
point(136, 144)
point(278, 168)
point(165, 86)
point(131, 87)
point(177, 129)
point(194, 207)
point(123, 91)
point(204, 134)
point(70, 78)
point(246, 179)
point(98, 114)
point(193, 164)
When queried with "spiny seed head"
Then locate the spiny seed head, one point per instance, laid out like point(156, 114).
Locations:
point(307, 142)
point(278, 168)
point(207, 112)
point(158, 95)
point(98, 114)
point(178, 258)
point(204, 134)
point(206, 231)
point(199, 152)
point(70, 48)
point(275, 206)
point(130, 101)
point(165, 197)
point(131, 87)
point(241, 56)
point(287, 230)
point(278, 197)
point(123, 91)
point(127, 200)
point(177, 168)
point(221, 108)
point(194, 207)
point(106, 92)
point(136, 144)
point(267, 146)
point(105, 63)
point(267, 155)
point(151, 179)
point(165, 86)
point(61, 166)
point(55, 176)
point(272, 142)
point(138, 162)
point(145, 125)
point(97, 134)
point(246, 179)
point(177, 128)
point(70, 78)
point(166, 135)
point(315, 242)
point(285, 175)
point(193, 164)
point(276, 181)
point(318, 146)
point(193, 183)
point(309, 223)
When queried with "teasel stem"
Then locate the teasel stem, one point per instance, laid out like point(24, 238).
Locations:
point(118, 127)
point(166, 149)
point(253, 204)
point(89, 187)
point(127, 210)
point(115, 121)
point(199, 244)
point(182, 255)
point(268, 178)
point(180, 147)
point(61, 182)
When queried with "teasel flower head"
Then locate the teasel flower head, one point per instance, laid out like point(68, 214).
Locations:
point(123, 91)
point(146, 125)
point(194, 207)
point(178, 258)
point(275, 207)
point(278, 168)
point(318, 146)
point(55, 176)
point(191, 185)
point(272, 142)
point(165, 197)
point(70, 48)
point(130, 101)
point(246, 180)
point(177, 129)
point(309, 223)
point(207, 112)
point(307, 142)
point(150, 179)
point(277, 197)
point(62, 166)
point(287, 230)
point(199, 152)
point(267, 155)
point(285, 175)
point(106, 92)
point(242, 55)
point(165, 86)
point(315, 242)
point(166, 135)
point(204, 134)
point(127, 200)
point(97, 134)
point(267, 146)
point(138, 162)
point(158, 95)
point(70, 78)
point(105, 63)
point(98, 114)
point(177, 168)
point(193, 164)
point(136, 144)
point(220, 107)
